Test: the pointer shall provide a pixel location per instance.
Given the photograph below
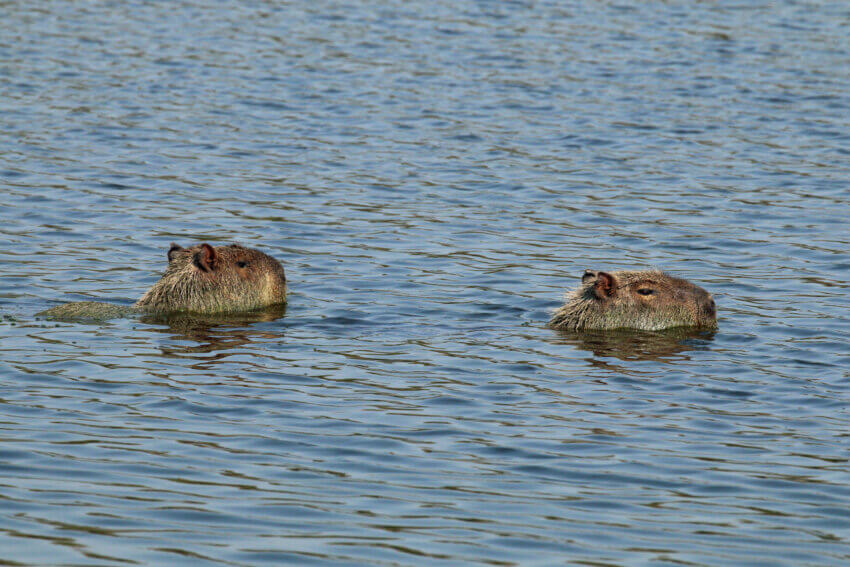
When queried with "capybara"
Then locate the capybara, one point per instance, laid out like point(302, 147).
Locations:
point(648, 300)
point(200, 279)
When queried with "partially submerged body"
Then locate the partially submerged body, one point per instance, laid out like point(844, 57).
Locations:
point(201, 279)
point(647, 300)
point(91, 310)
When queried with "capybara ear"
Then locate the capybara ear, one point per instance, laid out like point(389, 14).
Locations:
point(175, 248)
point(587, 276)
point(605, 285)
point(205, 258)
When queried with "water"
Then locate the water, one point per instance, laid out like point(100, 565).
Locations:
point(433, 176)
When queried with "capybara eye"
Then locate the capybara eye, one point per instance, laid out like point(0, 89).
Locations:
point(241, 264)
point(646, 291)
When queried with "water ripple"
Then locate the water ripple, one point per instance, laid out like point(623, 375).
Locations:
point(433, 178)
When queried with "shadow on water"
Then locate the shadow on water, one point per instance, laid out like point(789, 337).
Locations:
point(639, 345)
point(216, 332)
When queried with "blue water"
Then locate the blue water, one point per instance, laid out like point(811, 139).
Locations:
point(433, 176)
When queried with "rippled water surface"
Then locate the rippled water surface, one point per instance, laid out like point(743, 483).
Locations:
point(433, 176)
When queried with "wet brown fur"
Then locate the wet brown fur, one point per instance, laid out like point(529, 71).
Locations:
point(201, 279)
point(222, 279)
point(648, 300)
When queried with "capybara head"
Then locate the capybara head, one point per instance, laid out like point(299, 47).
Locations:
point(220, 279)
point(647, 300)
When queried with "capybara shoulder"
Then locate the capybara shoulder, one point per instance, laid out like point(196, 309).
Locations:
point(216, 279)
point(648, 300)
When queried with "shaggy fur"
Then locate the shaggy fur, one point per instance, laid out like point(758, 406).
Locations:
point(647, 300)
point(201, 279)
point(225, 279)
point(93, 310)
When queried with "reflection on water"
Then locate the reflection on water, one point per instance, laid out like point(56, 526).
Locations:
point(640, 345)
point(219, 332)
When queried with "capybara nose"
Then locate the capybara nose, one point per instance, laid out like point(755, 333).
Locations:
point(709, 307)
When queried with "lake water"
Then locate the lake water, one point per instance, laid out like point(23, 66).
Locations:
point(433, 176)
